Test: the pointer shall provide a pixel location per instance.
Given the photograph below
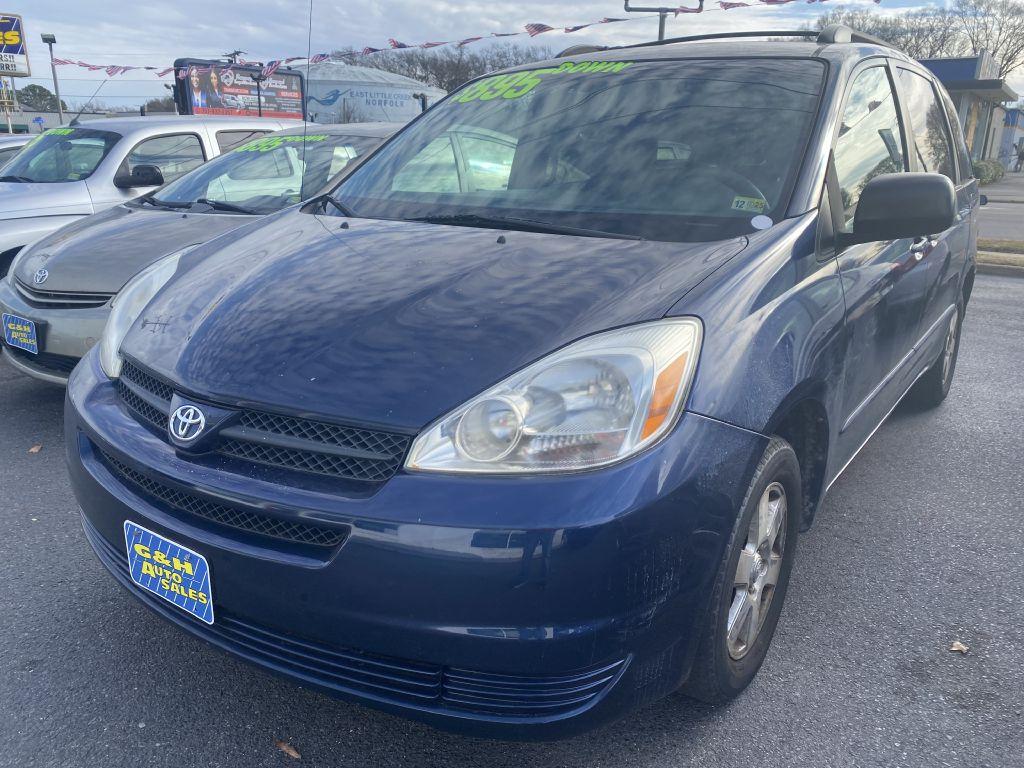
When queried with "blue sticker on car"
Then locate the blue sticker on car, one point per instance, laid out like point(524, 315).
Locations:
point(20, 333)
point(168, 570)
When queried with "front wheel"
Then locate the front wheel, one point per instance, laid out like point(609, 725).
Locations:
point(752, 580)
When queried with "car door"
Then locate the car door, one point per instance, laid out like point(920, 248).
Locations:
point(883, 288)
point(175, 154)
point(943, 255)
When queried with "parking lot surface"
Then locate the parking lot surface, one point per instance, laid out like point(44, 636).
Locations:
point(918, 545)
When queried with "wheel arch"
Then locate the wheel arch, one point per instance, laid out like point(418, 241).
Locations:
point(802, 421)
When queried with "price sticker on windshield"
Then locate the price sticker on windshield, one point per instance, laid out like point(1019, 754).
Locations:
point(757, 204)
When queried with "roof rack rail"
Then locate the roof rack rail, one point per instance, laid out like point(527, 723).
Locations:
point(840, 33)
point(834, 33)
point(579, 50)
point(718, 35)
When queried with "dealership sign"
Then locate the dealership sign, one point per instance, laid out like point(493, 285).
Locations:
point(13, 52)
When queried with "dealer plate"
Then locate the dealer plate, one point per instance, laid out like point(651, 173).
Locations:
point(21, 333)
point(169, 570)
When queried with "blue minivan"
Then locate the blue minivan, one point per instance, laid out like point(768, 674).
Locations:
point(516, 429)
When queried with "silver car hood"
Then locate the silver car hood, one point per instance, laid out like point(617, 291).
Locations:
point(20, 201)
point(100, 253)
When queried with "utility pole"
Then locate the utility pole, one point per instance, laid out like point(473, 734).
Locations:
point(50, 40)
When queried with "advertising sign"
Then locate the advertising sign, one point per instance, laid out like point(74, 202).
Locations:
point(13, 52)
point(217, 88)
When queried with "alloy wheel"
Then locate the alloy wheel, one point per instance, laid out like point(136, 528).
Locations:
point(757, 571)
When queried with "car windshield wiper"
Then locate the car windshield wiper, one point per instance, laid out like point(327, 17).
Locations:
point(515, 222)
point(342, 208)
point(220, 205)
point(19, 179)
point(157, 203)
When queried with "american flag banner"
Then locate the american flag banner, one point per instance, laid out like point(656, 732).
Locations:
point(533, 29)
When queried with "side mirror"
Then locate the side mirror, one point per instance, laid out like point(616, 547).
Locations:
point(894, 206)
point(141, 176)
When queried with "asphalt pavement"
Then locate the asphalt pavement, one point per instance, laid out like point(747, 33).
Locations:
point(919, 544)
point(1003, 217)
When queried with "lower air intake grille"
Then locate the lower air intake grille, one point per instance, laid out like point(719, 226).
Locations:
point(425, 686)
point(264, 525)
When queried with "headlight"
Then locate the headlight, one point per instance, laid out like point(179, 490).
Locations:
point(592, 403)
point(128, 305)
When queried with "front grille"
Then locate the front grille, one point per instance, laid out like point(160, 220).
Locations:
point(61, 365)
point(221, 514)
point(311, 461)
point(270, 439)
point(431, 687)
point(61, 299)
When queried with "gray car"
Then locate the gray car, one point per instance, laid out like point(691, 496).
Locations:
point(58, 293)
point(73, 171)
point(12, 144)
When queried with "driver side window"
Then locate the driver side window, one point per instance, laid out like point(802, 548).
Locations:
point(870, 140)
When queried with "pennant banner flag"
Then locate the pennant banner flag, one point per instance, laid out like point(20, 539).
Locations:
point(533, 30)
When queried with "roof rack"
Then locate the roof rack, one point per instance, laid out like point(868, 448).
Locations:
point(834, 33)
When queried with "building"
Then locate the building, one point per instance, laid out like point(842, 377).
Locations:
point(32, 121)
point(343, 93)
point(978, 93)
point(1013, 137)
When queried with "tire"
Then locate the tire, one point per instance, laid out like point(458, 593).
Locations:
point(725, 664)
point(931, 389)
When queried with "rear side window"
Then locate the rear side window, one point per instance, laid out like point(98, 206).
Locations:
point(928, 124)
point(228, 140)
point(174, 155)
point(870, 141)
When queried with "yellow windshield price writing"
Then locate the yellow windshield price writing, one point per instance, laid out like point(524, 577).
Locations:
point(519, 84)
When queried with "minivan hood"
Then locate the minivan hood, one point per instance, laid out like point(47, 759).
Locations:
point(100, 253)
point(394, 323)
point(21, 200)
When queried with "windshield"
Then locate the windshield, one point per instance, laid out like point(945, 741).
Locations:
point(267, 174)
point(687, 150)
point(60, 155)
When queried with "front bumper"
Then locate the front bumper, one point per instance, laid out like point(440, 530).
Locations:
point(66, 334)
point(511, 607)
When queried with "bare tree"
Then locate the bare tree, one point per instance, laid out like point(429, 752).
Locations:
point(928, 33)
point(996, 26)
point(968, 26)
point(448, 68)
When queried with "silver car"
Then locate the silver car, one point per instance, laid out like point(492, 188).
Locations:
point(74, 171)
point(58, 294)
point(12, 144)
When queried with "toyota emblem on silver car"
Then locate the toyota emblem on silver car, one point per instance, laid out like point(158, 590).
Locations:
point(187, 423)
point(40, 276)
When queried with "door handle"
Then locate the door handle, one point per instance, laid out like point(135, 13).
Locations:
point(922, 247)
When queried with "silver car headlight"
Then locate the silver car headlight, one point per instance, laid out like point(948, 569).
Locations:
point(128, 305)
point(592, 403)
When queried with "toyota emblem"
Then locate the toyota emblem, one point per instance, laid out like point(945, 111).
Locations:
point(40, 276)
point(187, 423)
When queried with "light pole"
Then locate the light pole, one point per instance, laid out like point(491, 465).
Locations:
point(50, 40)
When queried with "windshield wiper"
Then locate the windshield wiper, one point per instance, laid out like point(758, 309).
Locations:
point(515, 222)
point(157, 203)
point(19, 179)
point(342, 208)
point(220, 205)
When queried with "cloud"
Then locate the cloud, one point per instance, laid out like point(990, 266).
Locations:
point(157, 33)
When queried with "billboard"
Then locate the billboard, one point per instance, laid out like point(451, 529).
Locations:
point(13, 52)
point(220, 88)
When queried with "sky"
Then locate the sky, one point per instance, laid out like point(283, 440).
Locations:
point(154, 34)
